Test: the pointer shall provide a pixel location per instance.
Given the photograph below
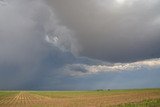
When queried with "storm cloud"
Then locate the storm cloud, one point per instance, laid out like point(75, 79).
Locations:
point(113, 30)
point(31, 42)
point(75, 45)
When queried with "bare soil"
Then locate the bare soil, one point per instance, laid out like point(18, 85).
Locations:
point(99, 99)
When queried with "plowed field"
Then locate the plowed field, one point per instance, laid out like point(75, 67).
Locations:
point(77, 98)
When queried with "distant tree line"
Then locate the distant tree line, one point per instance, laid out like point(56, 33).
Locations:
point(103, 90)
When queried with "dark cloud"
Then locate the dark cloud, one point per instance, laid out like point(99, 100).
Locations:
point(112, 31)
point(40, 44)
point(32, 44)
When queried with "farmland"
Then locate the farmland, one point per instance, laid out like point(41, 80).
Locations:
point(112, 98)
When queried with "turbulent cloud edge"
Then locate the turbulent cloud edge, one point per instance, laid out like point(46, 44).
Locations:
point(83, 69)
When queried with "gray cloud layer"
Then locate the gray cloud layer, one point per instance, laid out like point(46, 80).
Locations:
point(112, 30)
point(32, 43)
point(39, 51)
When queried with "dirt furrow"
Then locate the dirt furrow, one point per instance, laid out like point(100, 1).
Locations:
point(24, 99)
point(31, 99)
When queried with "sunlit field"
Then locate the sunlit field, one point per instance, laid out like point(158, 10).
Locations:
point(98, 98)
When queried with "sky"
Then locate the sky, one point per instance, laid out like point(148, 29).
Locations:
point(79, 44)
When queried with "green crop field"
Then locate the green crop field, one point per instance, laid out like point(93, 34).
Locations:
point(99, 98)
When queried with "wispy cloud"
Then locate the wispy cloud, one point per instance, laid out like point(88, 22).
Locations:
point(83, 69)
